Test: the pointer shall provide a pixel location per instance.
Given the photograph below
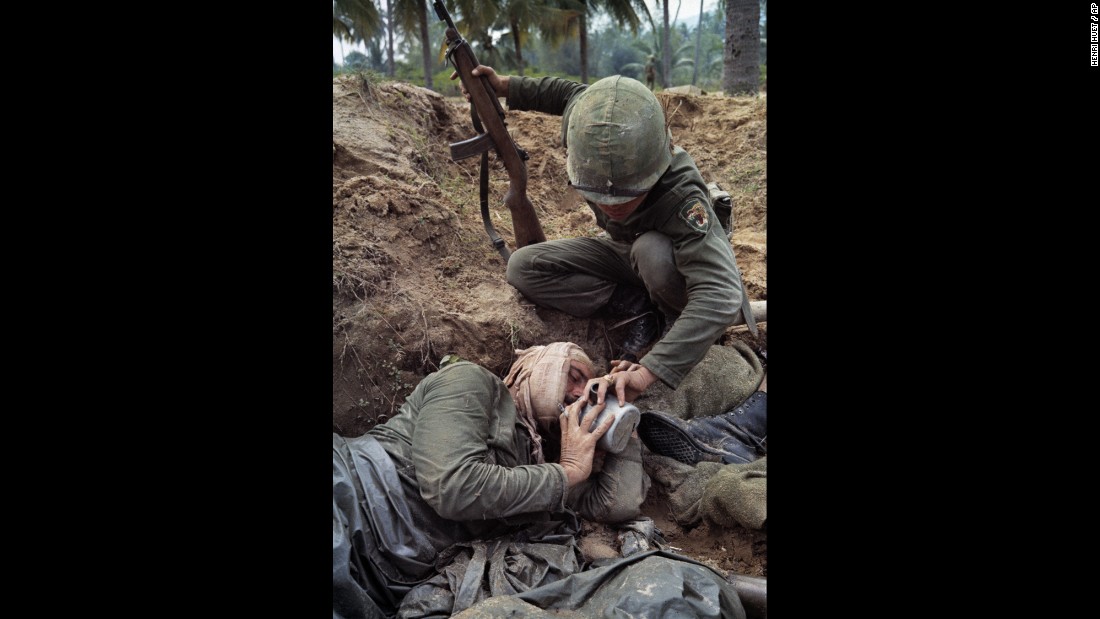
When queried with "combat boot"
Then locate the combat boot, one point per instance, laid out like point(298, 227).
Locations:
point(632, 302)
point(753, 591)
point(735, 437)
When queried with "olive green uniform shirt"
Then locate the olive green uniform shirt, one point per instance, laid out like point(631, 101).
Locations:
point(679, 207)
point(464, 462)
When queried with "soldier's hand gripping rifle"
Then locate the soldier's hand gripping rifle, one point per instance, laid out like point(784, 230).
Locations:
point(485, 108)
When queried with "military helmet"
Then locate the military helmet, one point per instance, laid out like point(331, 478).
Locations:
point(617, 141)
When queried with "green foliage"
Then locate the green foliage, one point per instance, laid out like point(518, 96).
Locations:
point(444, 85)
point(683, 46)
point(355, 20)
point(355, 61)
point(548, 41)
point(398, 384)
point(613, 51)
point(449, 359)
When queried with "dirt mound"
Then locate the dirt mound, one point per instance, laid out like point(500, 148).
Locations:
point(414, 277)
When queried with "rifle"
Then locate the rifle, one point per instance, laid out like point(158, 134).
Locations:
point(485, 107)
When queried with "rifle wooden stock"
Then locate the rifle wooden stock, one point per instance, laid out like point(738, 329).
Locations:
point(525, 222)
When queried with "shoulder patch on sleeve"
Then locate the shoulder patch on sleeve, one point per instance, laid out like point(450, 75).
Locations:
point(695, 215)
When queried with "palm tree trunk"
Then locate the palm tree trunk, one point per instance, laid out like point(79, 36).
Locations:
point(389, 32)
point(584, 47)
point(666, 53)
point(427, 44)
point(515, 41)
point(342, 56)
point(698, 44)
point(741, 59)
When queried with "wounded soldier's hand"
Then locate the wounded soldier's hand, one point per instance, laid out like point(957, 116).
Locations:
point(578, 440)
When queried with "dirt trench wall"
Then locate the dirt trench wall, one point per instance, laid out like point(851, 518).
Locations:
point(414, 276)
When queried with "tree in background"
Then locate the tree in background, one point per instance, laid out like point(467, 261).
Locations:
point(679, 58)
point(621, 12)
point(764, 32)
point(698, 43)
point(389, 38)
point(356, 61)
point(354, 20)
point(412, 16)
point(518, 16)
point(555, 52)
point(619, 52)
point(666, 51)
point(376, 58)
point(548, 36)
point(554, 21)
point(741, 72)
point(713, 49)
point(565, 26)
point(475, 19)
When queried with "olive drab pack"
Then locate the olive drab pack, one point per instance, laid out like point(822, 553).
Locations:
point(722, 205)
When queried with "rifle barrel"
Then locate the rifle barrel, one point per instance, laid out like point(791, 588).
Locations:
point(441, 12)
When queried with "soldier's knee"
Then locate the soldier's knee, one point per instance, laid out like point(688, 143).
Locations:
point(520, 267)
point(665, 285)
point(654, 261)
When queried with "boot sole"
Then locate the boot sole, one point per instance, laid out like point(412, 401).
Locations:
point(666, 439)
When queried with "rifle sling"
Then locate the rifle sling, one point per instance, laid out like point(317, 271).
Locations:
point(498, 243)
point(746, 309)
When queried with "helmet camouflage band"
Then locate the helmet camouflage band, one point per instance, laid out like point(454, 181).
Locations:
point(617, 142)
